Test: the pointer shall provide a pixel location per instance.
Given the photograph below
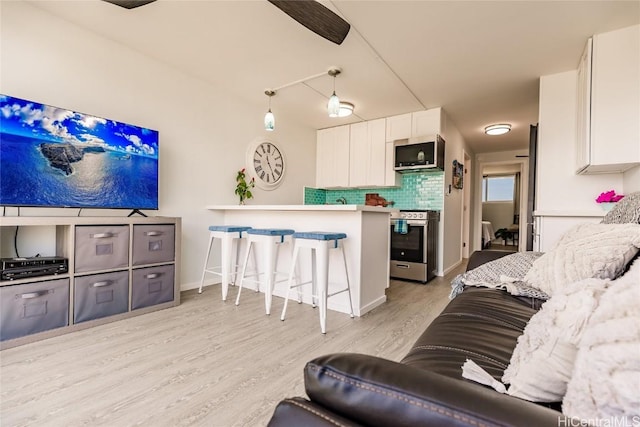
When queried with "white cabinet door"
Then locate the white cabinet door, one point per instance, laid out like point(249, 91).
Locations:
point(583, 107)
point(609, 138)
point(332, 157)
point(615, 99)
point(376, 171)
point(425, 123)
point(398, 127)
point(367, 165)
point(358, 155)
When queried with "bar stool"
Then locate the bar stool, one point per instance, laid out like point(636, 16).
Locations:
point(271, 239)
point(229, 236)
point(320, 243)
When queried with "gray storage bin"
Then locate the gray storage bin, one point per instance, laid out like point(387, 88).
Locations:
point(101, 247)
point(100, 295)
point(33, 307)
point(151, 286)
point(153, 244)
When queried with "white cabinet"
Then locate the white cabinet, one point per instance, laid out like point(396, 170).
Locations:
point(398, 127)
point(425, 123)
point(411, 125)
point(332, 157)
point(368, 152)
point(355, 156)
point(609, 103)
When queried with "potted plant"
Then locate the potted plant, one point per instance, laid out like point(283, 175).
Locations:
point(243, 188)
point(608, 199)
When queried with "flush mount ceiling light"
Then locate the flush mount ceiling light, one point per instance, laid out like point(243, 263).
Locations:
point(269, 119)
point(333, 107)
point(499, 129)
point(346, 109)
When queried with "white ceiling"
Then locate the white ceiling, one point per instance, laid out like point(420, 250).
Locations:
point(479, 60)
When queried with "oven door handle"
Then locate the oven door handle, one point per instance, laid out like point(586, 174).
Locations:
point(414, 222)
point(402, 266)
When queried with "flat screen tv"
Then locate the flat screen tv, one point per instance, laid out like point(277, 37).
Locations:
point(52, 157)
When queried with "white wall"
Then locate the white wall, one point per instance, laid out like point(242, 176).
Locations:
point(500, 214)
point(558, 187)
point(204, 130)
point(631, 180)
point(451, 221)
point(563, 199)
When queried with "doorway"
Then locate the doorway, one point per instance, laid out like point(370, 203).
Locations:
point(502, 208)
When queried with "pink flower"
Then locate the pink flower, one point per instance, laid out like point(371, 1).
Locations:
point(609, 197)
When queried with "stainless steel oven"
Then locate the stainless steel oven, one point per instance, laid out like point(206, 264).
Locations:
point(414, 245)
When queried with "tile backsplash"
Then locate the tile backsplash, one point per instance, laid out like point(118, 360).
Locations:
point(420, 190)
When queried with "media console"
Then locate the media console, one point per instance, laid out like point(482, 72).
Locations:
point(104, 269)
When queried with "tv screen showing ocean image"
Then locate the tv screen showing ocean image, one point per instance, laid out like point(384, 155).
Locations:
point(54, 157)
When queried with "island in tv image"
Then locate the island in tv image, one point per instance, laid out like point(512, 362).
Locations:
point(54, 157)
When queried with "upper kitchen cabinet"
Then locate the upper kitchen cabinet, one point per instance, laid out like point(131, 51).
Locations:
point(398, 127)
point(355, 155)
point(420, 123)
point(608, 103)
point(426, 122)
point(367, 145)
point(332, 157)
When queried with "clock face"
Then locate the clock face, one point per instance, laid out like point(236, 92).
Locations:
point(267, 164)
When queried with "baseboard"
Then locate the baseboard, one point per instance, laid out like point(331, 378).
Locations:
point(195, 285)
point(453, 267)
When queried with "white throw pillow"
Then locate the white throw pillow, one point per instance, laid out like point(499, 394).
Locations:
point(586, 251)
point(543, 359)
point(605, 383)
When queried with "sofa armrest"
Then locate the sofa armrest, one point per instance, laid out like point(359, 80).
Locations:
point(297, 412)
point(375, 391)
point(480, 257)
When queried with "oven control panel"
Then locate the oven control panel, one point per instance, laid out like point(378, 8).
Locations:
point(419, 215)
point(413, 215)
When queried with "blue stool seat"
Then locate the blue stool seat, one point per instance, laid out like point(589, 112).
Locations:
point(271, 231)
point(319, 235)
point(229, 228)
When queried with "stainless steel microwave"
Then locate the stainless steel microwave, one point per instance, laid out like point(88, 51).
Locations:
point(414, 154)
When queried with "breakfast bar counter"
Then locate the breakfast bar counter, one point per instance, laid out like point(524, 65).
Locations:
point(366, 246)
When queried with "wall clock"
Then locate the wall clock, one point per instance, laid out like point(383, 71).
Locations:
point(266, 163)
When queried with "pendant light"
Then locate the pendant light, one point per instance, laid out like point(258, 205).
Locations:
point(269, 119)
point(333, 107)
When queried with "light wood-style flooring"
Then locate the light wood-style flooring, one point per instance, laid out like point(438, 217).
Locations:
point(203, 363)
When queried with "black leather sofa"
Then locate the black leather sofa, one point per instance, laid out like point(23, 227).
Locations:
point(426, 387)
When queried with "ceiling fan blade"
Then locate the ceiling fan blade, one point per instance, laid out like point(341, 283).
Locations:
point(129, 4)
point(315, 17)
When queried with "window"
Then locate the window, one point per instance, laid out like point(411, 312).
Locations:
point(498, 188)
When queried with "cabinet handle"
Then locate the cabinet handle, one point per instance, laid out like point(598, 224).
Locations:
point(30, 295)
point(101, 284)
point(153, 233)
point(402, 265)
point(102, 235)
point(152, 275)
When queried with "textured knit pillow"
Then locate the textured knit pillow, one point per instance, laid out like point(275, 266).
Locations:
point(491, 274)
point(543, 359)
point(625, 211)
point(586, 251)
point(605, 383)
